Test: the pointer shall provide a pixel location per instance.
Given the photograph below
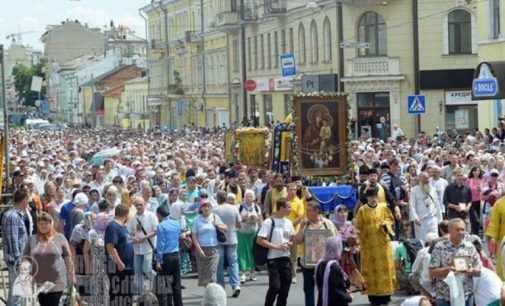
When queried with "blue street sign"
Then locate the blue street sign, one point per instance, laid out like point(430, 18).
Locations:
point(487, 87)
point(416, 104)
point(288, 66)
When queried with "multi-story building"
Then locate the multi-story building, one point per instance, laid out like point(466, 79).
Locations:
point(448, 55)
point(491, 49)
point(66, 83)
point(372, 53)
point(66, 42)
point(133, 110)
point(188, 79)
point(17, 54)
point(71, 39)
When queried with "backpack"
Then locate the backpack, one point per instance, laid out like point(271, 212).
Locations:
point(413, 246)
point(256, 209)
point(260, 253)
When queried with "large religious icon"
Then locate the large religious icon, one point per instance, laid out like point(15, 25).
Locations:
point(252, 146)
point(229, 145)
point(321, 127)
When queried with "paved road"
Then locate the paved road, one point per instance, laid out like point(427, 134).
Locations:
point(253, 294)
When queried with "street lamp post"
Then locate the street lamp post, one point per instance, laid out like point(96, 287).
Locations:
point(6, 117)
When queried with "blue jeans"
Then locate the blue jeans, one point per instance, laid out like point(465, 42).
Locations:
point(143, 268)
point(230, 251)
point(468, 302)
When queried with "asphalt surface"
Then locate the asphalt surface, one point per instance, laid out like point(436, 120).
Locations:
point(253, 293)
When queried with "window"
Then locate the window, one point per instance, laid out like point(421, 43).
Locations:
point(372, 29)
point(327, 41)
point(301, 44)
point(267, 109)
point(276, 50)
point(269, 51)
point(314, 43)
point(460, 32)
point(371, 107)
point(494, 8)
point(252, 100)
point(283, 41)
point(255, 52)
point(236, 62)
point(291, 42)
point(249, 53)
point(288, 104)
point(262, 55)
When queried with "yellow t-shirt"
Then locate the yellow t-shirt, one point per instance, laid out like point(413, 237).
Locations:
point(276, 195)
point(297, 209)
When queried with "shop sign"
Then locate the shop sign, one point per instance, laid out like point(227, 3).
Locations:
point(264, 85)
point(460, 97)
point(283, 84)
point(486, 85)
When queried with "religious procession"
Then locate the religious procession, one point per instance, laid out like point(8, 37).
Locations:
point(117, 217)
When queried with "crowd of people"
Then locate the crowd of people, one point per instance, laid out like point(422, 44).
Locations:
point(128, 225)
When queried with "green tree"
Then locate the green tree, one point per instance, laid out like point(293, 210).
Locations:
point(23, 82)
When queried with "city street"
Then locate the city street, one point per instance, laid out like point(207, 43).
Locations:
point(253, 293)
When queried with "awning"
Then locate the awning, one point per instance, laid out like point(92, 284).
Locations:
point(446, 79)
point(489, 81)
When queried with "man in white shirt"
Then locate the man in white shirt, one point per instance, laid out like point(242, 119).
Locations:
point(438, 184)
point(279, 245)
point(142, 229)
point(176, 206)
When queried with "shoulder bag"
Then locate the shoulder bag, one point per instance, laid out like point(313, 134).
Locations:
point(260, 253)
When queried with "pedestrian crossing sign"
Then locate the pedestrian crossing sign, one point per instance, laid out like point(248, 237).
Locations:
point(417, 104)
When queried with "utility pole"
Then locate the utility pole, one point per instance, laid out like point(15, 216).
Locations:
point(243, 56)
point(415, 36)
point(6, 118)
point(167, 53)
point(204, 73)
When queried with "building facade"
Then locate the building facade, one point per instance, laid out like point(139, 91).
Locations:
point(491, 48)
point(133, 109)
point(188, 67)
point(375, 46)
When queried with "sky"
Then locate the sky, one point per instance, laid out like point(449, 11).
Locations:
point(35, 15)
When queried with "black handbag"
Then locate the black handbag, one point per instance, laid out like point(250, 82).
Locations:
point(260, 253)
point(221, 236)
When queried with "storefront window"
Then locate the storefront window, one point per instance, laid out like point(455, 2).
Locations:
point(461, 117)
point(371, 107)
point(267, 109)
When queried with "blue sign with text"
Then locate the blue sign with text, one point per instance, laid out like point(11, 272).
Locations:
point(485, 87)
point(288, 66)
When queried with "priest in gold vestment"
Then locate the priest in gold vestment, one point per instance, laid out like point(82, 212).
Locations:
point(374, 223)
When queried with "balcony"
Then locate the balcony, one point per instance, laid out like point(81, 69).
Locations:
point(226, 20)
point(276, 7)
point(193, 37)
point(372, 67)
